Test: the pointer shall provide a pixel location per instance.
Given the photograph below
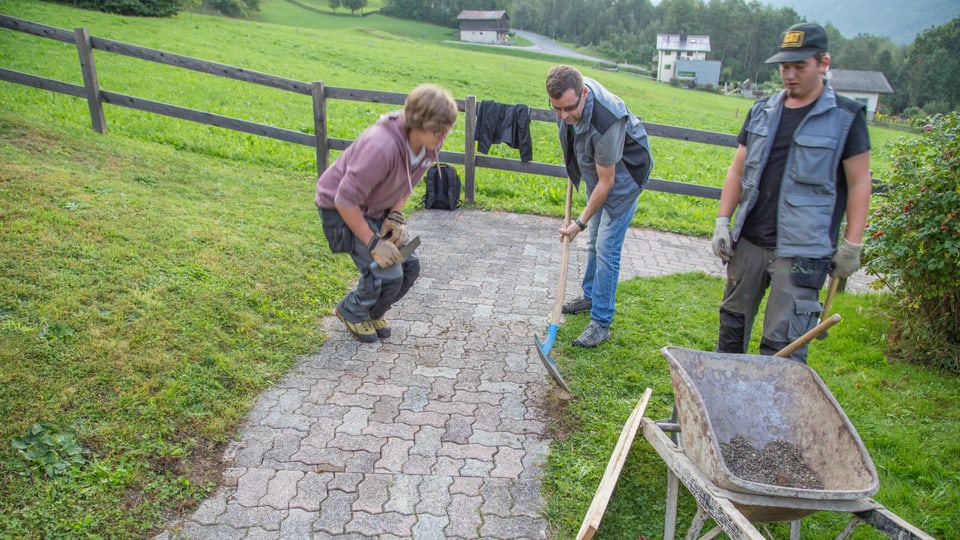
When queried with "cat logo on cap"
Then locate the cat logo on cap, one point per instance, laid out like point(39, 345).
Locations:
point(792, 39)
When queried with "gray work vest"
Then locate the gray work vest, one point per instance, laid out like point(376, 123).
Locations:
point(602, 110)
point(808, 195)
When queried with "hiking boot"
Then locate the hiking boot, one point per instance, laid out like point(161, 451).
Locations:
point(592, 336)
point(382, 327)
point(577, 305)
point(361, 331)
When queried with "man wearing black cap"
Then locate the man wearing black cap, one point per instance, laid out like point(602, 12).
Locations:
point(803, 161)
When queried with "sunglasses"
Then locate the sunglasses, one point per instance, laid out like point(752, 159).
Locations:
point(569, 108)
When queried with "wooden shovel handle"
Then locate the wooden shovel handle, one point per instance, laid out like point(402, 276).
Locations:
point(804, 339)
point(564, 259)
point(831, 290)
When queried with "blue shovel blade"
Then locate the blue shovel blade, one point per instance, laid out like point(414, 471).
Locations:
point(543, 349)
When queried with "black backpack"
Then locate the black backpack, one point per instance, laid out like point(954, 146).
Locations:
point(443, 188)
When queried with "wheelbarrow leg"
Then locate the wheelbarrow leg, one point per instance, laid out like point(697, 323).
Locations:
point(697, 524)
point(795, 530)
point(670, 519)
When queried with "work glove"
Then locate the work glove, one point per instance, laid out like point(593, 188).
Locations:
point(384, 253)
point(846, 260)
point(722, 244)
point(394, 229)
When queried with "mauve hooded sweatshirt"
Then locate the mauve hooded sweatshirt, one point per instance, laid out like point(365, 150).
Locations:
point(372, 172)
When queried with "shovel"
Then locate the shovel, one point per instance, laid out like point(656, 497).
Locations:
point(544, 348)
point(831, 290)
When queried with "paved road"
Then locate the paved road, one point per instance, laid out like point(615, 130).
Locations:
point(440, 430)
point(546, 45)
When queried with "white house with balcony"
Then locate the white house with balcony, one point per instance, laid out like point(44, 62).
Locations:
point(685, 51)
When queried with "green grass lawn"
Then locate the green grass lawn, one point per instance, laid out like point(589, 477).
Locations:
point(157, 279)
point(902, 413)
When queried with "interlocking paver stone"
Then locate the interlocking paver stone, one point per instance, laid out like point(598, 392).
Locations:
point(430, 527)
point(467, 510)
point(393, 455)
point(440, 430)
point(373, 493)
point(281, 489)
point(434, 495)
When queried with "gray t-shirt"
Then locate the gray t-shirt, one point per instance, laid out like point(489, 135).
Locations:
point(609, 148)
point(606, 150)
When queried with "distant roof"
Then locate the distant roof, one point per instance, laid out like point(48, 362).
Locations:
point(475, 14)
point(852, 80)
point(682, 42)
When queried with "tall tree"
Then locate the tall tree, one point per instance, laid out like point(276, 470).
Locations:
point(354, 5)
point(932, 69)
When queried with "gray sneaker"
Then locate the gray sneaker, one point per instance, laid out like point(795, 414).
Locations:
point(592, 336)
point(577, 305)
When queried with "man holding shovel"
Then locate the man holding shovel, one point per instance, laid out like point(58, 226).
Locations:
point(803, 161)
point(605, 146)
point(361, 199)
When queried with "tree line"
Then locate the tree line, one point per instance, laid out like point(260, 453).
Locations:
point(925, 74)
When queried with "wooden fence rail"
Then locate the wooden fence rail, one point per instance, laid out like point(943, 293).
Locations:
point(320, 94)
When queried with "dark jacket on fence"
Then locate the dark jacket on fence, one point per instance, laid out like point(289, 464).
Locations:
point(508, 124)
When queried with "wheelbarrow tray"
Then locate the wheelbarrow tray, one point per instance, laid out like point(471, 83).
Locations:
point(764, 398)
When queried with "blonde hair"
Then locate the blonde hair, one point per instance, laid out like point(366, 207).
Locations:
point(430, 108)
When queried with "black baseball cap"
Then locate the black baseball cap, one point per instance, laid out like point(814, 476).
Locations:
point(799, 42)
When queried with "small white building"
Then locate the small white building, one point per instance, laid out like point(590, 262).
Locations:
point(674, 47)
point(478, 26)
point(862, 86)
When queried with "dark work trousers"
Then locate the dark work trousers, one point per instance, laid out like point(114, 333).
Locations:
point(793, 305)
point(378, 289)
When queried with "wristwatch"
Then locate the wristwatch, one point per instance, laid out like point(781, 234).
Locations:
point(580, 224)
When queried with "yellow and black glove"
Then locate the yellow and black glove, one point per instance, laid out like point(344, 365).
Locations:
point(384, 253)
point(394, 229)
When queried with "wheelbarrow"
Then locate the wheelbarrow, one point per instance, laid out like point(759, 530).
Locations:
point(720, 396)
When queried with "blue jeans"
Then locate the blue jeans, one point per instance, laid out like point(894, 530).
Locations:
point(603, 262)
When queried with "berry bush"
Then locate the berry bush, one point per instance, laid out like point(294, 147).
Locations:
point(914, 244)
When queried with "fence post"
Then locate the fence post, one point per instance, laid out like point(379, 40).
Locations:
point(469, 148)
point(320, 126)
point(90, 81)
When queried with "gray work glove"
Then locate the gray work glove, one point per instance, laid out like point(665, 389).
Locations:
point(721, 243)
point(384, 253)
point(394, 229)
point(846, 260)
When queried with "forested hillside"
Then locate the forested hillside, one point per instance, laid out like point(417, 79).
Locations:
point(925, 74)
point(884, 18)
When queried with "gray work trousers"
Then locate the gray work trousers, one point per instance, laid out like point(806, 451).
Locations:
point(378, 288)
point(793, 305)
